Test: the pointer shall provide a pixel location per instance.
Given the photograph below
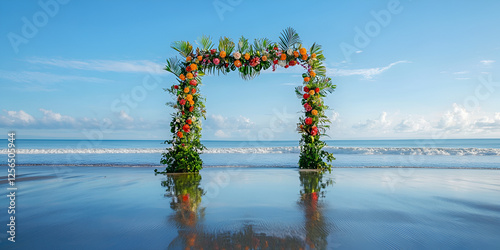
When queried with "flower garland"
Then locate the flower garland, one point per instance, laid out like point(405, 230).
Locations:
point(249, 60)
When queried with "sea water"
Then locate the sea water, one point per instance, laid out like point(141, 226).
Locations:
point(449, 153)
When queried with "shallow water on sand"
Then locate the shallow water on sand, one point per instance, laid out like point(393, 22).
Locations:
point(232, 208)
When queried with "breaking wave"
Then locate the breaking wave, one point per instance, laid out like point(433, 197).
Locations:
point(277, 150)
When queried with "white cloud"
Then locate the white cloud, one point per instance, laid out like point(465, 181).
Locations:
point(132, 66)
point(462, 78)
point(40, 77)
point(461, 72)
point(53, 120)
point(380, 123)
point(20, 118)
point(225, 127)
point(358, 51)
point(487, 62)
point(411, 124)
point(124, 116)
point(366, 73)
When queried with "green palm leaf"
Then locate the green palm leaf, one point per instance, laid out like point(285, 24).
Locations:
point(289, 38)
point(184, 48)
point(206, 43)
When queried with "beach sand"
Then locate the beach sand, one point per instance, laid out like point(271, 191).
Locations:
point(131, 208)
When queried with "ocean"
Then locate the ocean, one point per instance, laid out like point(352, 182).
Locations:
point(443, 153)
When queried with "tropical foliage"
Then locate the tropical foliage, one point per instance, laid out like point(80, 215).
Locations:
point(249, 59)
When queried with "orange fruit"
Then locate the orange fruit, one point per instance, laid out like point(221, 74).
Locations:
point(283, 57)
point(303, 51)
point(222, 54)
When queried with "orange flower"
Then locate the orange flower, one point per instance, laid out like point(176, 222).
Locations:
point(237, 63)
point(283, 57)
point(307, 79)
point(189, 97)
point(200, 58)
point(188, 68)
point(264, 58)
point(222, 54)
point(189, 76)
point(193, 91)
point(180, 134)
point(182, 77)
point(186, 90)
point(188, 59)
point(188, 121)
point(313, 55)
point(312, 73)
point(247, 56)
point(314, 112)
point(303, 51)
point(311, 92)
point(193, 66)
point(191, 102)
point(304, 57)
point(296, 54)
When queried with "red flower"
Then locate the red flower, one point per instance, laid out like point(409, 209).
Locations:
point(191, 109)
point(189, 121)
point(275, 61)
point(193, 82)
point(185, 197)
point(212, 51)
point(286, 66)
point(306, 89)
point(309, 120)
point(306, 96)
point(182, 102)
point(186, 128)
point(316, 90)
point(292, 63)
point(176, 86)
point(254, 61)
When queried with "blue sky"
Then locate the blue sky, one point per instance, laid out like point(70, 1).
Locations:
point(403, 69)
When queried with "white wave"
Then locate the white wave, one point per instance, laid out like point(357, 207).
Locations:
point(276, 150)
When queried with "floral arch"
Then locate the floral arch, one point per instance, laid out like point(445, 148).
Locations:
point(249, 60)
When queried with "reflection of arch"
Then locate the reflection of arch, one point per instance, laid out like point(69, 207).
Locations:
point(186, 195)
point(248, 59)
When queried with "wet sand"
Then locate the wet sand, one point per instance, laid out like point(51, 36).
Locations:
point(131, 208)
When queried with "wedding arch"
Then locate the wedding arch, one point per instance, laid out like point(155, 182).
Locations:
point(249, 60)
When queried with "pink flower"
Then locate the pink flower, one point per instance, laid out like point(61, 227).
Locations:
point(182, 102)
point(216, 61)
point(237, 55)
point(254, 61)
point(307, 107)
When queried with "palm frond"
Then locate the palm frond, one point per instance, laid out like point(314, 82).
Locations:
point(206, 43)
point(174, 66)
point(226, 45)
point(184, 48)
point(243, 45)
point(288, 38)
